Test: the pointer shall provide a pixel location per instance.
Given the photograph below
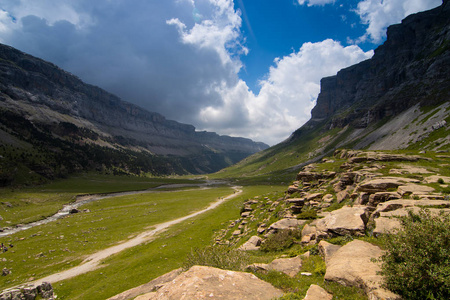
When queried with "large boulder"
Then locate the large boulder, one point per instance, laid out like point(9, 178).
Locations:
point(353, 265)
point(201, 282)
point(346, 220)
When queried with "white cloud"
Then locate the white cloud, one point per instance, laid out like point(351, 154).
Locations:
point(286, 96)
point(220, 33)
point(315, 2)
point(379, 14)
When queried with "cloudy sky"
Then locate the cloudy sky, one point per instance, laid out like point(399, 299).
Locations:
point(246, 68)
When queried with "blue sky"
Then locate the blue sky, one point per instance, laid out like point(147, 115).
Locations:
point(248, 68)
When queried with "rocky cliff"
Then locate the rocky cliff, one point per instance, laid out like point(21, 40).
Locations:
point(411, 67)
point(44, 105)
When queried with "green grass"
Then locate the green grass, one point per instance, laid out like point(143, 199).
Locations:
point(28, 204)
point(56, 246)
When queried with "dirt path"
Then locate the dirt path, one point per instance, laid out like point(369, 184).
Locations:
point(92, 261)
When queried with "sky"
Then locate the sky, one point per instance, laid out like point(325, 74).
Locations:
point(248, 68)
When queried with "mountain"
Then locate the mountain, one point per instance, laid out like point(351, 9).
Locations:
point(53, 124)
point(398, 99)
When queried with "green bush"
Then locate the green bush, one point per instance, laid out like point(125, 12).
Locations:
point(281, 240)
point(309, 214)
point(218, 256)
point(416, 264)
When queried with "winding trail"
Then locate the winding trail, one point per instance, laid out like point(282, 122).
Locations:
point(92, 261)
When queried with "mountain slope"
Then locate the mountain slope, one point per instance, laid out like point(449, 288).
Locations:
point(53, 124)
point(398, 99)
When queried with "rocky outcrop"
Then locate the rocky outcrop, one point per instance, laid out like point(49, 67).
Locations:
point(413, 60)
point(206, 282)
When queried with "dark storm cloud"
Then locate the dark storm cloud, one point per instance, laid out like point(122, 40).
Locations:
point(129, 49)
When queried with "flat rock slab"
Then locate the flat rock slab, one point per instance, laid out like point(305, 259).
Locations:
point(383, 184)
point(201, 282)
point(284, 224)
point(435, 179)
point(315, 292)
point(385, 225)
point(407, 203)
point(414, 189)
point(346, 220)
point(351, 265)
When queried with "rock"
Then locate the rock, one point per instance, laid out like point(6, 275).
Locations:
point(435, 178)
point(414, 189)
point(314, 196)
point(252, 244)
point(328, 198)
point(236, 232)
point(385, 225)
point(375, 199)
point(283, 224)
point(342, 195)
point(346, 220)
point(380, 156)
point(6, 272)
point(327, 250)
point(383, 184)
point(307, 176)
point(74, 211)
point(352, 265)
point(315, 292)
point(246, 214)
point(293, 189)
point(45, 290)
point(28, 292)
point(155, 284)
point(288, 266)
point(296, 201)
point(201, 282)
point(407, 203)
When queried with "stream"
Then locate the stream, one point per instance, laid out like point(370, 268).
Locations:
point(84, 199)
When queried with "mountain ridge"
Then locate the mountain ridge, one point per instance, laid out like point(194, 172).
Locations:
point(59, 104)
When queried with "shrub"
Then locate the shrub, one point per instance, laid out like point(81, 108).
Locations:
point(440, 181)
point(309, 214)
point(218, 256)
point(416, 264)
point(281, 240)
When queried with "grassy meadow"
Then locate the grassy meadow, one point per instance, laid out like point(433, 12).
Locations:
point(59, 245)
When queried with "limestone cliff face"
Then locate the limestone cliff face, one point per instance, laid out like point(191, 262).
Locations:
point(411, 67)
point(48, 96)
